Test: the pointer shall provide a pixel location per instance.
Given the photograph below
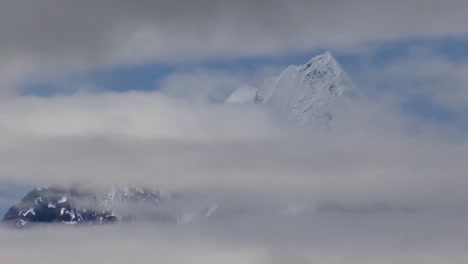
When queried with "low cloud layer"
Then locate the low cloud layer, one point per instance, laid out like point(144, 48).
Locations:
point(369, 154)
point(367, 190)
point(335, 238)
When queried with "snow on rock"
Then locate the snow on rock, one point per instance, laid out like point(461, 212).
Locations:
point(30, 211)
point(62, 200)
point(71, 205)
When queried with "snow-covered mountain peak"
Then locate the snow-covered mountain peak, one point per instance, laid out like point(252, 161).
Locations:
point(304, 95)
point(325, 57)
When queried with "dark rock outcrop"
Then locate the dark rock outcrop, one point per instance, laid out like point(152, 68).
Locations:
point(76, 205)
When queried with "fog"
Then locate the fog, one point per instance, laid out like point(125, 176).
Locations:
point(369, 154)
point(368, 189)
point(329, 238)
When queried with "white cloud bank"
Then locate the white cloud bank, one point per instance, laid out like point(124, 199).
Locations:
point(174, 144)
point(241, 158)
point(338, 239)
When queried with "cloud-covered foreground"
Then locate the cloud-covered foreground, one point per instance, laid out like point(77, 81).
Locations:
point(148, 138)
point(368, 190)
point(326, 238)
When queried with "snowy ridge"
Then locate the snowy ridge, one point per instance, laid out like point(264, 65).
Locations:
point(304, 95)
point(77, 205)
point(243, 94)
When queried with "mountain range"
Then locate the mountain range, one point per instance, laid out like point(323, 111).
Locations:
point(304, 95)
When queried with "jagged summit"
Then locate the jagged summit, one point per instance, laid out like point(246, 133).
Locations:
point(303, 95)
point(325, 56)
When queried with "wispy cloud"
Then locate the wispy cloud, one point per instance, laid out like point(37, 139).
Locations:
point(50, 37)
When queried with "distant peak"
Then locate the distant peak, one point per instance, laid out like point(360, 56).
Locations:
point(325, 56)
point(308, 94)
point(323, 60)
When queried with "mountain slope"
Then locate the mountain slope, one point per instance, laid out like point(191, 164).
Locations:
point(303, 95)
point(76, 205)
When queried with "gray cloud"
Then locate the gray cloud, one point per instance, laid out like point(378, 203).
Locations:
point(149, 138)
point(56, 36)
point(341, 239)
point(224, 151)
point(239, 157)
point(201, 86)
point(437, 84)
point(444, 81)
